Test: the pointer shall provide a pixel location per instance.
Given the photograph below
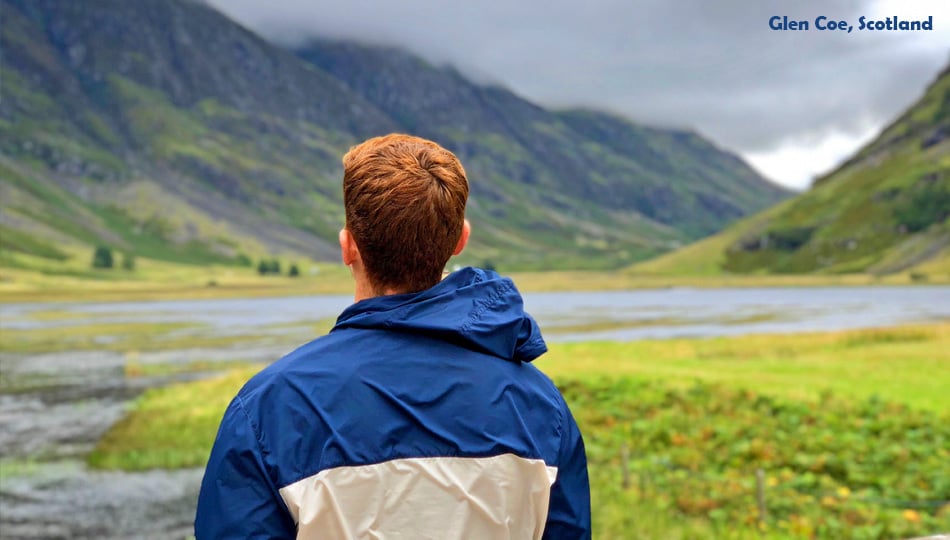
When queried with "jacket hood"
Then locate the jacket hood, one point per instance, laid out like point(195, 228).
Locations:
point(473, 308)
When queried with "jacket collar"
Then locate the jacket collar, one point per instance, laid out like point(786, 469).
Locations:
point(475, 308)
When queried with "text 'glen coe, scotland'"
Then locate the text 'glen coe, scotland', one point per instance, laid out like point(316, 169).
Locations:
point(825, 23)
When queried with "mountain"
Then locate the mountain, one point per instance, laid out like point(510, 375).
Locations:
point(165, 129)
point(885, 210)
point(673, 178)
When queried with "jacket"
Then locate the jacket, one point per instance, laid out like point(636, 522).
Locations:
point(418, 416)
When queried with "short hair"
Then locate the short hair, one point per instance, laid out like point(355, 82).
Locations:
point(405, 207)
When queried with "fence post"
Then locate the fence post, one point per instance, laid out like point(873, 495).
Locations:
point(760, 494)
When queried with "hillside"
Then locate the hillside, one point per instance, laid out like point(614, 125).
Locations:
point(885, 210)
point(164, 129)
point(558, 159)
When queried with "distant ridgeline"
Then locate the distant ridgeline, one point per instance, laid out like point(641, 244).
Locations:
point(885, 210)
point(163, 129)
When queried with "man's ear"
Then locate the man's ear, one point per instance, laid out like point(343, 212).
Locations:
point(466, 232)
point(348, 249)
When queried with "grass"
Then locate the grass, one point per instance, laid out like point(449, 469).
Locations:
point(127, 337)
point(609, 324)
point(835, 468)
point(63, 315)
point(844, 423)
point(906, 365)
point(632, 279)
point(38, 280)
point(134, 368)
point(33, 279)
point(83, 337)
point(909, 365)
point(171, 427)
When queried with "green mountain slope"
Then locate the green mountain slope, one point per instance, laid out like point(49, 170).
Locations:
point(885, 210)
point(576, 163)
point(164, 129)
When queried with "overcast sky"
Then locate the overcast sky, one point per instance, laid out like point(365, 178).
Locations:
point(792, 103)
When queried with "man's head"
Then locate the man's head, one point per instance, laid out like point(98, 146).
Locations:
point(405, 211)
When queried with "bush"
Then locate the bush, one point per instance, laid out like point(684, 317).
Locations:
point(925, 205)
point(102, 258)
point(128, 262)
point(266, 267)
point(294, 271)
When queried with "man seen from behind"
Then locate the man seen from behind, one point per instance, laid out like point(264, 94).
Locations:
point(419, 415)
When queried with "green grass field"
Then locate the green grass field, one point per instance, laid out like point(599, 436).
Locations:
point(34, 279)
point(909, 365)
point(851, 428)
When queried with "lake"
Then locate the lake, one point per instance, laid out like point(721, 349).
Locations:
point(563, 316)
point(54, 405)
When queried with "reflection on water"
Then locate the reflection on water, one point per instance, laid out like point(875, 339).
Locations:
point(54, 406)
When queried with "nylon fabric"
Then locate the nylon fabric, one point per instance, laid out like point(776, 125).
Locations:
point(438, 498)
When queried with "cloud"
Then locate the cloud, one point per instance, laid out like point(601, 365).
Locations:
point(799, 162)
point(715, 67)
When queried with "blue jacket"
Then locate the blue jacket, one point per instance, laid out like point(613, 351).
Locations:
point(417, 416)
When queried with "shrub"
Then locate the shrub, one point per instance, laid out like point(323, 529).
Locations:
point(927, 204)
point(266, 267)
point(102, 258)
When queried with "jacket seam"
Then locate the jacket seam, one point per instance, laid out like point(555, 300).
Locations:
point(247, 418)
point(258, 439)
point(333, 464)
point(560, 424)
point(483, 306)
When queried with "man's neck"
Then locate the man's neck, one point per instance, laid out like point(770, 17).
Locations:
point(365, 290)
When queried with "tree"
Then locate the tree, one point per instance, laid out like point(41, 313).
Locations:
point(102, 258)
point(266, 267)
point(128, 262)
point(294, 271)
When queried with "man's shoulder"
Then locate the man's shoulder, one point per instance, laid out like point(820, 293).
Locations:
point(344, 357)
point(324, 355)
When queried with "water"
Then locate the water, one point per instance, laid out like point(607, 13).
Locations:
point(631, 315)
point(682, 312)
point(55, 406)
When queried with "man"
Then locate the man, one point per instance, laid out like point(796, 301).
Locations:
point(418, 415)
